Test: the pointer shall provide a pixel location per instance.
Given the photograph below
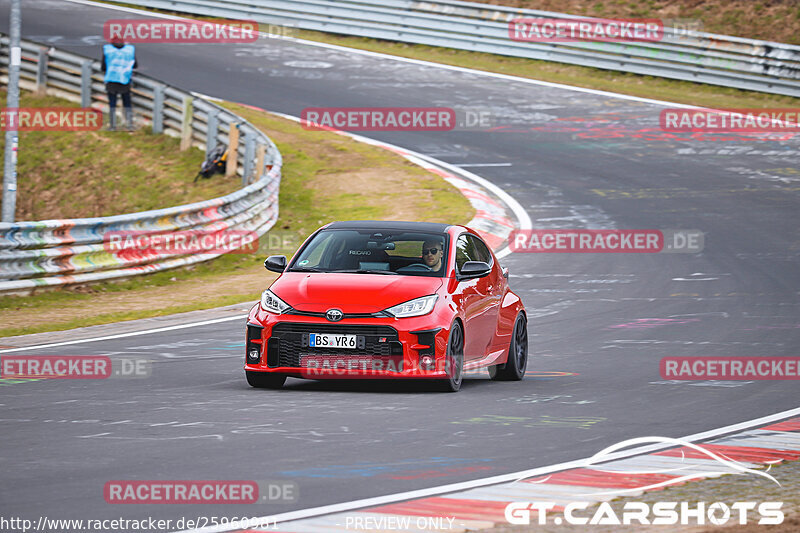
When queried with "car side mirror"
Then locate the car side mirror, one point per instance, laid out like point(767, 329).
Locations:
point(474, 269)
point(505, 272)
point(276, 263)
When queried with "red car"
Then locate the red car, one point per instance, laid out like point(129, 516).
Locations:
point(387, 300)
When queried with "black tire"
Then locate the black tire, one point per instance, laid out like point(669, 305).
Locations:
point(454, 360)
point(265, 380)
point(514, 368)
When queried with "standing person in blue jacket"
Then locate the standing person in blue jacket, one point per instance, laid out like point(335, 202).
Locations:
point(119, 60)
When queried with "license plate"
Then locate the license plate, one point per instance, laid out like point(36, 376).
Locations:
point(326, 340)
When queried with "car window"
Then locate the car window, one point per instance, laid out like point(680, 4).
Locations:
point(389, 251)
point(465, 251)
point(406, 248)
point(482, 252)
point(314, 258)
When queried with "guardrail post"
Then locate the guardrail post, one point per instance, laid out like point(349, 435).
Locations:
point(233, 150)
point(186, 125)
point(249, 154)
point(158, 108)
point(86, 83)
point(260, 153)
point(41, 71)
point(212, 129)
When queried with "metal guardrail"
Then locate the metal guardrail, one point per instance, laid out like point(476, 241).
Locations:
point(59, 252)
point(684, 55)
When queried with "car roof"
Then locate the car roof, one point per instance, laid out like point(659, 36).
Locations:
point(432, 227)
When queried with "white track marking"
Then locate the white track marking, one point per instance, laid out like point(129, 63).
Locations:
point(123, 335)
point(468, 165)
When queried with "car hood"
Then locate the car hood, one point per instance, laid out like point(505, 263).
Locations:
point(352, 293)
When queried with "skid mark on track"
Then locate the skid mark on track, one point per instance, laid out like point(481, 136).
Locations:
point(689, 344)
point(579, 422)
point(382, 469)
point(721, 384)
point(544, 398)
point(551, 309)
point(444, 472)
point(650, 323)
point(182, 437)
point(129, 429)
point(682, 192)
point(773, 326)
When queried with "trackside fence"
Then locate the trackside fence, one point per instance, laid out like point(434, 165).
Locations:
point(59, 252)
point(682, 54)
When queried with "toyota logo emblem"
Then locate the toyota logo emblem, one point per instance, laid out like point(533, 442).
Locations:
point(334, 315)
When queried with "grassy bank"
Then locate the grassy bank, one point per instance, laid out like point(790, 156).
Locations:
point(66, 174)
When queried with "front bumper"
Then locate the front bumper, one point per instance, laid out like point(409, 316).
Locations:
point(388, 347)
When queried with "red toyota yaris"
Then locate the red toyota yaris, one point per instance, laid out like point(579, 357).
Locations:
point(387, 300)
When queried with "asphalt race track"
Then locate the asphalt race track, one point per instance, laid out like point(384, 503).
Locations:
point(573, 159)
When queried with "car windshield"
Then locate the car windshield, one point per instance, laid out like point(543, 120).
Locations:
point(388, 252)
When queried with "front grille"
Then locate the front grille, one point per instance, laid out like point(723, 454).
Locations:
point(291, 343)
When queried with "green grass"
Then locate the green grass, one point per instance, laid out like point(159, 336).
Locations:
point(53, 299)
point(64, 174)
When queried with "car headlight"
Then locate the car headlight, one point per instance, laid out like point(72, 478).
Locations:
point(272, 304)
point(416, 307)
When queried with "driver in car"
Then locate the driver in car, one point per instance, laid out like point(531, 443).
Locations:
point(432, 254)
